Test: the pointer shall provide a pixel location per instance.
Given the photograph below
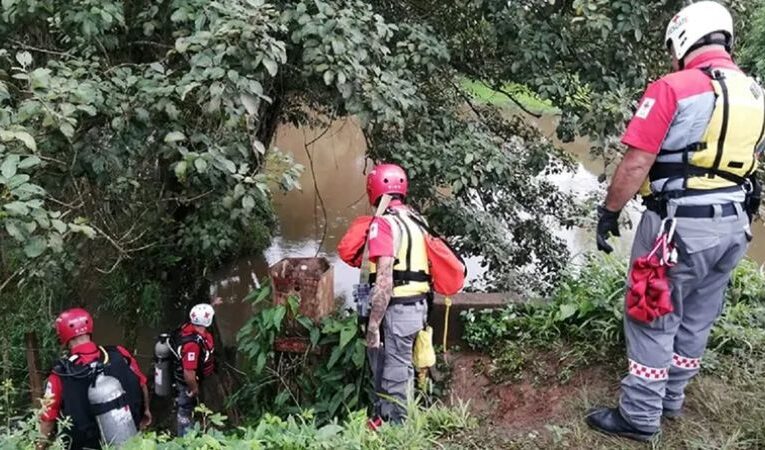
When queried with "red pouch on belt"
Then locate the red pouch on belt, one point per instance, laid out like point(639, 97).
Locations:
point(649, 296)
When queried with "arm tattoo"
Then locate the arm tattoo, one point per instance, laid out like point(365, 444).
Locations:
point(382, 292)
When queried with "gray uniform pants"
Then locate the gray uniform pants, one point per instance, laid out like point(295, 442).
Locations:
point(392, 369)
point(666, 354)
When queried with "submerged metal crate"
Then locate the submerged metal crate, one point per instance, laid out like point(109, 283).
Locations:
point(311, 280)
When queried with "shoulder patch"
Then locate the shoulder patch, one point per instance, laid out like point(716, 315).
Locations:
point(373, 230)
point(645, 108)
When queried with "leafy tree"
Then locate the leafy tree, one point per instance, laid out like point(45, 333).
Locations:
point(135, 136)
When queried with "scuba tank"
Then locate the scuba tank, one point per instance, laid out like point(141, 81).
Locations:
point(163, 366)
point(108, 402)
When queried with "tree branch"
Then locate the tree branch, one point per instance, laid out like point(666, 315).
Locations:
point(38, 49)
point(514, 100)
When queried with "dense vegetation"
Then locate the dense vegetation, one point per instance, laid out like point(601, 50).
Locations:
point(136, 156)
point(579, 332)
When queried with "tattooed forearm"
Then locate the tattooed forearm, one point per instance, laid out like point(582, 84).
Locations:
point(382, 291)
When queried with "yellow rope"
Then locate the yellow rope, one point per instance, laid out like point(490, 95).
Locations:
point(448, 303)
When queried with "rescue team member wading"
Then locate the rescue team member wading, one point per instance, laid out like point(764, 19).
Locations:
point(195, 346)
point(398, 305)
point(66, 393)
point(695, 137)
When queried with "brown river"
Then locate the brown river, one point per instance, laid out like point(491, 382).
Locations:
point(312, 220)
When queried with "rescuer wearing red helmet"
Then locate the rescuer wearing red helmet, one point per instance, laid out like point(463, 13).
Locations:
point(400, 279)
point(67, 390)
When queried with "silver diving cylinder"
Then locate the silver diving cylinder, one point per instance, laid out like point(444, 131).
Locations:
point(116, 424)
point(163, 366)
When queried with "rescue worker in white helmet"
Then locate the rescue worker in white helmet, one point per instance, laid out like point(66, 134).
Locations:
point(693, 145)
point(66, 393)
point(400, 294)
point(195, 347)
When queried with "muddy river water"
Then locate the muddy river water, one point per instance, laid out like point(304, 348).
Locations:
point(312, 220)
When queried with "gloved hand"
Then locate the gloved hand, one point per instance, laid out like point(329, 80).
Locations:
point(608, 222)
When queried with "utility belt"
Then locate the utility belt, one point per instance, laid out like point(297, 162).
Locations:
point(659, 206)
point(402, 277)
point(408, 300)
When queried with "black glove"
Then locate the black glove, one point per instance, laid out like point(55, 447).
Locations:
point(608, 222)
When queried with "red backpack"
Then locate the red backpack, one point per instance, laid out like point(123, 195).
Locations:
point(447, 268)
point(351, 247)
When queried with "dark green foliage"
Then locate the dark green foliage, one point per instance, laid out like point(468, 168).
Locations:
point(581, 323)
point(331, 378)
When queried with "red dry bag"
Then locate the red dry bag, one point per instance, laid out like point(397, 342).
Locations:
point(351, 247)
point(649, 295)
point(447, 268)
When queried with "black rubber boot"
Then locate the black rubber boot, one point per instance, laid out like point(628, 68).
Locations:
point(672, 414)
point(610, 421)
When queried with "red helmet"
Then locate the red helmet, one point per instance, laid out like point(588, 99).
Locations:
point(72, 323)
point(386, 179)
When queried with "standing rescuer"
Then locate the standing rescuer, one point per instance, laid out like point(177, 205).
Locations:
point(195, 346)
point(693, 144)
point(101, 389)
point(401, 285)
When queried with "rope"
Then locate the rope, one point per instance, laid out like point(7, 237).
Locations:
point(448, 303)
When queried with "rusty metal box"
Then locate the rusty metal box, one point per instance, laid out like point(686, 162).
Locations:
point(311, 279)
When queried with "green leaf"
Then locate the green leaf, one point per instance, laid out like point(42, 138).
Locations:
point(27, 139)
point(17, 180)
point(250, 103)
point(67, 130)
point(201, 165)
point(328, 77)
point(315, 336)
point(566, 311)
point(55, 242)
point(9, 166)
point(39, 78)
point(279, 315)
point(24, 58)
point(181, 45)
point(14, 231)
point(337, 352)
point(175, 136)
point(17, 208)
point(27, 190)
point(180, 170)
point(346, 334)
point(328, 431)
point(35, 247)
point(259, 147)
point(270, 66)
point(58, 225)
point(248, 202)
point(89, 232)
point(29, 161)
point(305, 322)
point(260, 363)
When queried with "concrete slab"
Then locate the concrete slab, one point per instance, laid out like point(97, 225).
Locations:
point(463, 302)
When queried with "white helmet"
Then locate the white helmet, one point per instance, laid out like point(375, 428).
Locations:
point(696, 21)
point(202, 315)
